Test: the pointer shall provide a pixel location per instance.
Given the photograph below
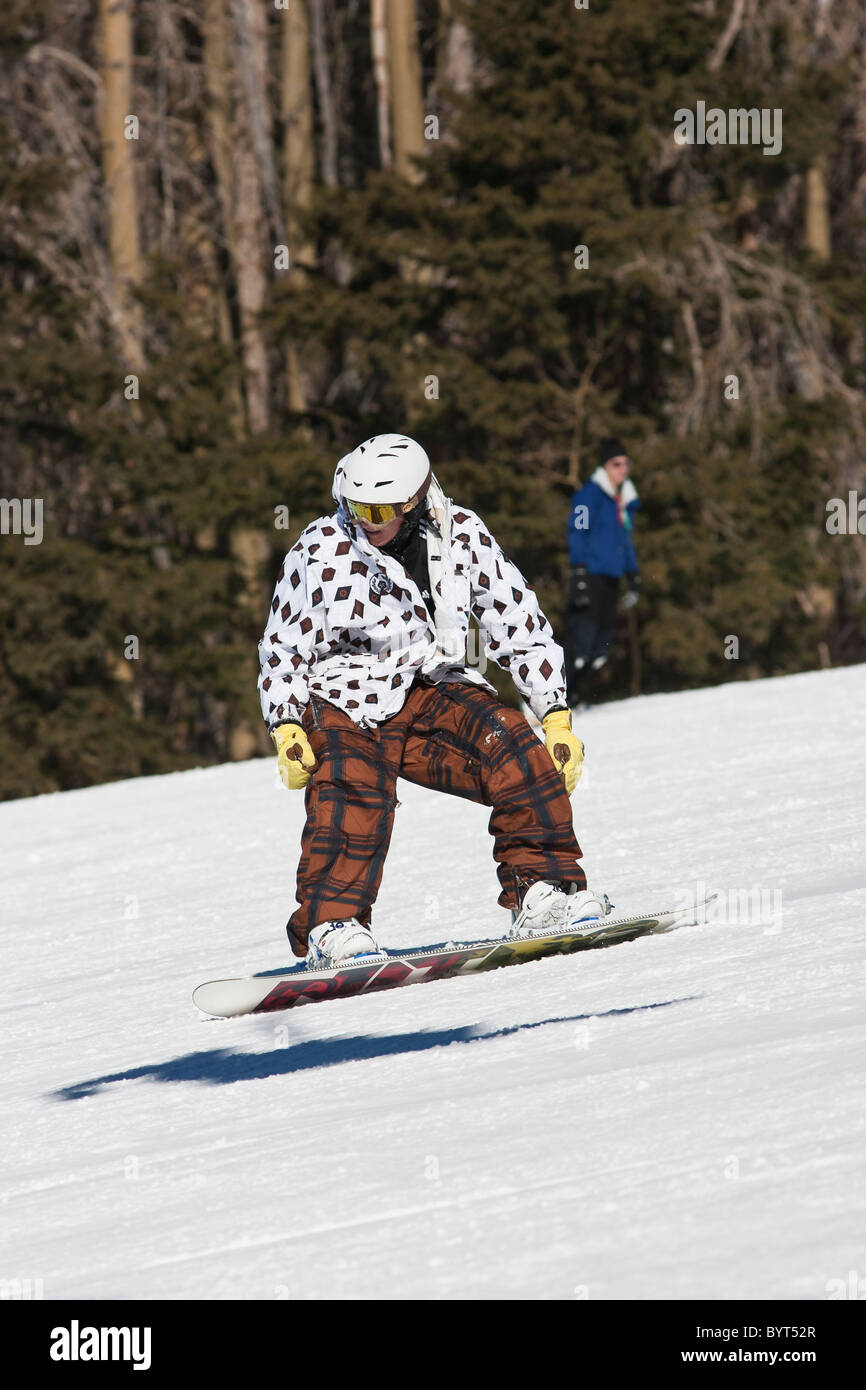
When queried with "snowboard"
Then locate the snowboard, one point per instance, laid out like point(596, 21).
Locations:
point(286, 989)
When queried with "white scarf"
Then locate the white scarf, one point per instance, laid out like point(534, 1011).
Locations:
point(450, 638)
point(627, 493)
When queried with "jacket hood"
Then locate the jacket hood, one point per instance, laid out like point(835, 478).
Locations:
point(336, 490)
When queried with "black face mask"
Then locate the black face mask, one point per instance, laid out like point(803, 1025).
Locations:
point(409, 547)
point(409, 531)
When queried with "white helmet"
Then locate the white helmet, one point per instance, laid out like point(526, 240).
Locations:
point(385, 476)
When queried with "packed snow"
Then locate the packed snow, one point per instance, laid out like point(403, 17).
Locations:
point(677, 1117)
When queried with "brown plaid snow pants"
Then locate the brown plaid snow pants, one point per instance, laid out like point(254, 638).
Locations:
point(451, 737)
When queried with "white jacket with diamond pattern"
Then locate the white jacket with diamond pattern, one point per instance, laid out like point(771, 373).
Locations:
point(348, 624)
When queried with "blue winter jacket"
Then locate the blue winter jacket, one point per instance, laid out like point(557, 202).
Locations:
point(596, 536)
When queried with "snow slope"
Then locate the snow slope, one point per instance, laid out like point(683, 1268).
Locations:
point(680, 1117)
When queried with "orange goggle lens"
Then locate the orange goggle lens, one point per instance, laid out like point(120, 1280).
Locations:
point(378, 513)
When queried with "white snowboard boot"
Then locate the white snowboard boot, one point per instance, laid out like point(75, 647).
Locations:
point(342, 943)
point(548, 908)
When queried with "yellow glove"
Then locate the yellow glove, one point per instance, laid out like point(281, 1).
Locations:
point(565, 750)
point(295, 758)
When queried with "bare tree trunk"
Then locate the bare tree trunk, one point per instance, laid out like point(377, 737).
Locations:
point(119, 170)
point(817, 211)
point(379, 47)
point(241, 201)
point(323, 92)
point(251, 552)
point(215, 57)
point(208, 303)
point(219, 123)
point(406, 95)
point(456, 63)
point(165, 33)
point(250, 549)
point(296, 102)
point(728, 36)
point(252, 287)
point(252, 59)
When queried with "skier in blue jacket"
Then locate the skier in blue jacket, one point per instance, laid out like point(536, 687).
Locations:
point(601, 551)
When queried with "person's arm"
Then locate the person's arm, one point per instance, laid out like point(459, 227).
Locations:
point(579, 523)
point(518, 636)
point(287, 647)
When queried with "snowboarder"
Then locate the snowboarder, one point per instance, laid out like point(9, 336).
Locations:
point(364, 678)
point(601, 551)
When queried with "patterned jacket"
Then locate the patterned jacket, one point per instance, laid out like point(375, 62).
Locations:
point(348, 623)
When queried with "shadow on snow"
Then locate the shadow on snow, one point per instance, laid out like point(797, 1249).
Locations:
point(222, 1067)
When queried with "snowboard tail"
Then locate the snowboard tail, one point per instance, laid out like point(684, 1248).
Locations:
point(287, 989)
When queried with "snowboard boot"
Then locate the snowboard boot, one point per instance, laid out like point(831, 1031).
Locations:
point(342, 943)
point(552, 907)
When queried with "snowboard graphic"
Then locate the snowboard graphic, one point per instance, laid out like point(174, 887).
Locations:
point(286, 989)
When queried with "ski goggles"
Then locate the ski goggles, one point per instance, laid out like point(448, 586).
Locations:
point(380, 513)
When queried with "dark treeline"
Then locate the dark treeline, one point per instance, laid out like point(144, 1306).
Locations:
point(239, 238)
